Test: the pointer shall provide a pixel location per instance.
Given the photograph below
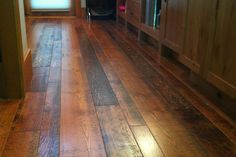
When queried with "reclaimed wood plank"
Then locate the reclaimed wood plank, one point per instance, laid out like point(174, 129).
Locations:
point(146, 141)
point(118, 138)
point(171, 142)
point(39, 80)
point(99, 85)
point(50, 126)
point(22, 144)
point(30, 117)
point(195, 122)
point(125, 101)
point(8, 110)
point(83, 136)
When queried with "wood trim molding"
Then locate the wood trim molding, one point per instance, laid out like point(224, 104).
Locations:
point(27, 68)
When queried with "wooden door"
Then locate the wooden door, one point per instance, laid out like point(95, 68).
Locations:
point(198, 33)
point(173, 23)
point(222, 59)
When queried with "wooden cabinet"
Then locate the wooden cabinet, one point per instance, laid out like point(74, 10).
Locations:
point(133, 13)
point(201, 33)
point(222, 59)
point(173, 17)
point(198, 33)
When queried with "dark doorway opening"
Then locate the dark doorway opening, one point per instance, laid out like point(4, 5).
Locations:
point(101, 9)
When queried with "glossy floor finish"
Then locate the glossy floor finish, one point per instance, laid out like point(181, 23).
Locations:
point(96, 92)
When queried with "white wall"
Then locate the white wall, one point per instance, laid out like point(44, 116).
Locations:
point(23, 27)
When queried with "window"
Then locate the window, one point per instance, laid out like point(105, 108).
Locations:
point(50, 4)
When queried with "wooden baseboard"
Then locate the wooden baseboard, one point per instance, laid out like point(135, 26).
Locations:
point(27, 68)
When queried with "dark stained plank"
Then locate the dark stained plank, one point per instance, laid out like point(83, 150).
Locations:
point(147, 103)
point(194, 121)
point(42, 56)
point(39, 80)
point(49, 144)
point(101, 90)
point(173, 139)
point(117, 136)
point(147, 143)
point(127, 105)
point(22, 144)
point(80, 131)
point(177, 77)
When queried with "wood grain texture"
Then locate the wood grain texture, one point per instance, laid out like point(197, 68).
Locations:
point(125, 101)
point(179, 106)
point(29, 119)
point(22, 144)
point(118, 138)
point(101, 90)
point(148, 102)
point(173, 20)
point(147, 143)
point(49, 144)
point(221, 60)
point(179, 78)
point(8, 110)
point(80, 131)
point(197, 34)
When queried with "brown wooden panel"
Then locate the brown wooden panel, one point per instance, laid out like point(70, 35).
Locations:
point(198, 33)
point(173, 23)
point(99, 85)
point(222, 58)
point(133, 12)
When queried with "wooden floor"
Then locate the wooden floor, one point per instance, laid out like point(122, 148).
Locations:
point(96, 92)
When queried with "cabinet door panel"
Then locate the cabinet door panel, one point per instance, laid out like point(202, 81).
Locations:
point(173, 19)
point(133, 11)
point(222, 68)
point(199, 32)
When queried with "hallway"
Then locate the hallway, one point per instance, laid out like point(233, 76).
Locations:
point(95, 92)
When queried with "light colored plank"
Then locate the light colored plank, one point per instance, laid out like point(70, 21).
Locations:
point(117, 136)
point(147, 143)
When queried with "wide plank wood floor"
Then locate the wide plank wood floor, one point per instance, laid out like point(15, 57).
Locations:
point(97, 91)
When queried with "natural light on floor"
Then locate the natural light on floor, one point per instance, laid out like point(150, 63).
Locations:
point(50, 4)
